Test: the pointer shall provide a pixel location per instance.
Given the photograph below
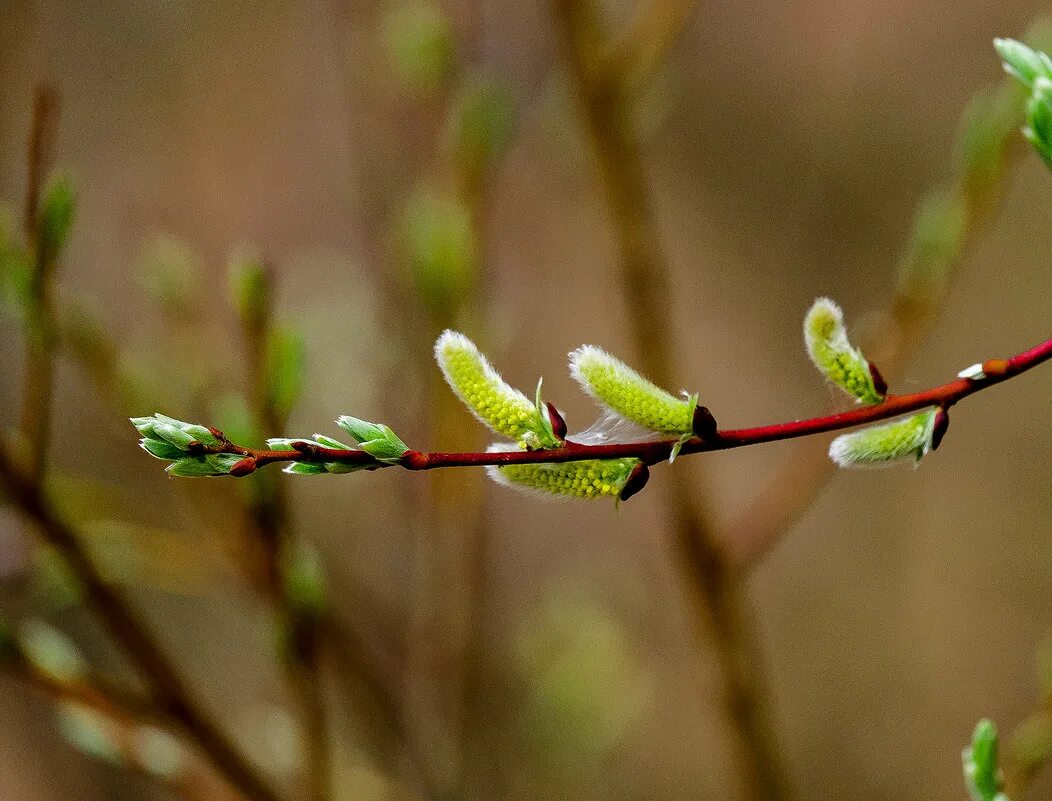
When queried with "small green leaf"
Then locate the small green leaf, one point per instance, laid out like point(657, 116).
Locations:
point(161, 449)
point(214, 464)
point(981, 774)
point(441, 249)
point(1022, 62)
point(90, 732)
point(376, 439)
point(304, 578)
point(479, 124)
point(51, 652)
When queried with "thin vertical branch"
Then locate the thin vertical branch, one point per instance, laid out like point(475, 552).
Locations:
point(719, 609)
point(268, 511)
point(39, 367)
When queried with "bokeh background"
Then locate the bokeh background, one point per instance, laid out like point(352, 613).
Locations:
point(543, 649)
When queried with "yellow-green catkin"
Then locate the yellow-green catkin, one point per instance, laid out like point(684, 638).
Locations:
point(884, 445)
point(832, 353)
point(590, 478)
point(489, 397)
point(625, 392)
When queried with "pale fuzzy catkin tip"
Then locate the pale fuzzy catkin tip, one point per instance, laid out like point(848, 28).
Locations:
point(907, 439)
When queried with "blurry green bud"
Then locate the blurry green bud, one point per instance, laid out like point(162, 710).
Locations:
point(986, 126)
point(625, 392)
point(286, 360)
point(420, 44)
point(1022, 62)
point(834, 356)
point(935, 242)
point(57, 209)
point(479, 124)
point(589, 478)
point(1038, 130)
point(170, 439)
point(213, 464)
point(250, 289)
point(489, 397)
point(170, 273)
point(882, 446)
point(304, 578)
point(54, 580)
point(234, 418)
point(441, 249)
point(51, 652)
point(979, 761)
point(90, 732)
point(376, 439)
point(158, 751)
point(1031, 744)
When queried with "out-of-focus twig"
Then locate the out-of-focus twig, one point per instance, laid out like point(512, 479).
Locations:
point(268, 513)
point(638, 51)
point(39, 366)
point(607, 109)
point(171, 695)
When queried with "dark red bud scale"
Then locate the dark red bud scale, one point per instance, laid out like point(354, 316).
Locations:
point(244, 467)
point(414, 460)
point(304, 447)
point(879, 384)
point(637, 479)
point(704, 424)
point(938, 430)
point(557, 421)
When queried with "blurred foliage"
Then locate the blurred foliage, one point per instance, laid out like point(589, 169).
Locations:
point(421, 45)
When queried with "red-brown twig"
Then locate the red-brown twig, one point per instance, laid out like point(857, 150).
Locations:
point(652, 452)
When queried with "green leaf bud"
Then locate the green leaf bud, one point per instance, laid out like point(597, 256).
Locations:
point(249, 289)
point(1022, 62)
point(90, 731)
point(304, 577)
point(881, 446)
point(489, 397)
point(1038, 130)
point(285, 364)
point(55, 220)
point(174, 435)
point(212, 464)
point(376, 439)
point(833, 355)
point(441, 249)
point(479, 124)
point(170, 274)
point(979, 761)
point(589, 478)
point(161, 449)
point(624, 391)
point(51, 652)
point(421, 45)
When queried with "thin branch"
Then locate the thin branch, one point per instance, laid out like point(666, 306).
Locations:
point(642, 47)
point(654, 451)
point(978, 190)
point(39, 367)
point(268, 514)
point(115, 612)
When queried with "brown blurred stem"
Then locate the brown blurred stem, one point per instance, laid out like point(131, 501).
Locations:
point(268, 511)
point(39, 362)
point(720, 611)
point(637, 52)
point(173, 697)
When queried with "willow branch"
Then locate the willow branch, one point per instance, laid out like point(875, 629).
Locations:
point(172, 696)
point(654, 451)
point(39, 367)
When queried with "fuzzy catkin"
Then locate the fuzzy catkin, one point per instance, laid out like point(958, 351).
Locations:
point(624, 391)
point(880, 446)
point(589, 478)
point(489, 397)
point(833, 354)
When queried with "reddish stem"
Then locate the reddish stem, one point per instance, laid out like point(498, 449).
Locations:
point(653, 452)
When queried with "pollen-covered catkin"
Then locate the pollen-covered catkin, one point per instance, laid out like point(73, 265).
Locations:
point(470, 375)
point(833, 354)
point(589, 478)
point(624, 391)
point(879, 446)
